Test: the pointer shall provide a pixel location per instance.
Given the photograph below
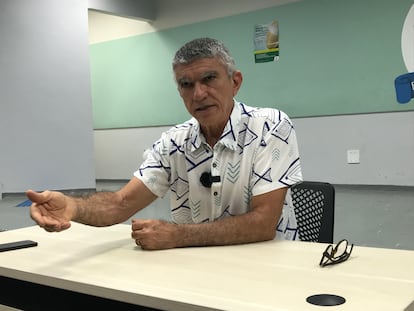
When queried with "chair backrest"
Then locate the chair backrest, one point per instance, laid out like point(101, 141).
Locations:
point(314, 205)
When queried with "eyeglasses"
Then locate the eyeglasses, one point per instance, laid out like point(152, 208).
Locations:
point(336, 254)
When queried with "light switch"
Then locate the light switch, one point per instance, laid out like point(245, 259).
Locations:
point(353, 156)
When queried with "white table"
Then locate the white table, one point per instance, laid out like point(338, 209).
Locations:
point(274, 275)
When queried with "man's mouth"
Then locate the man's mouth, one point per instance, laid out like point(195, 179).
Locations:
point(204, 108)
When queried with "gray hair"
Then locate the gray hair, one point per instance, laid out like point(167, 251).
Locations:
point(204, 48)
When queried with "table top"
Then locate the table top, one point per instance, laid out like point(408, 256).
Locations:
point(273, 275)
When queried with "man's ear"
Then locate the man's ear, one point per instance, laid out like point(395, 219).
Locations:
point(237, 81)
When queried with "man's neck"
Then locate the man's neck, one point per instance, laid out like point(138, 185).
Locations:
point(212, 134)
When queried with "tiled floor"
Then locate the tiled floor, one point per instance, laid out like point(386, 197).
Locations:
point(374, 216)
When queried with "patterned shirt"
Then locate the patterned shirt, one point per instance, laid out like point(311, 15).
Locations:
point(256, 153)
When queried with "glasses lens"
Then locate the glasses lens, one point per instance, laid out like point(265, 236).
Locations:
point(341, 248)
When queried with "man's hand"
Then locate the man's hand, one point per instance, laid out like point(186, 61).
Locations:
point(155, 234)
point(52, 211)
point(259, 224)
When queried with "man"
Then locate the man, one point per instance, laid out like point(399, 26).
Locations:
point(228, 168)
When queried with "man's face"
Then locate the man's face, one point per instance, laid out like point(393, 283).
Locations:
point(207, 90)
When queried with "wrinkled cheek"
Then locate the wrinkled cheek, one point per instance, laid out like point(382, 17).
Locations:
point(188, 106)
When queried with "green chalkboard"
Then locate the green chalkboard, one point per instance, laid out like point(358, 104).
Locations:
point(336, 57)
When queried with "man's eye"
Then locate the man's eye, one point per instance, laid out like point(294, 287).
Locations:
point(209, 78)
point(185, 84)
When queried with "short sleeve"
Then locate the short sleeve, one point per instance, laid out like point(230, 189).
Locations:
point(277, 162)
point(154, 172)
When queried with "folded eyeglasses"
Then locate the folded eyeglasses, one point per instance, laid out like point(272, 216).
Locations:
point(336, 254)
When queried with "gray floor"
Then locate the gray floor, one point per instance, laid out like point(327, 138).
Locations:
point(376, 216)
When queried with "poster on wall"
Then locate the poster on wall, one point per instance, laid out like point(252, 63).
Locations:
point(266, 42)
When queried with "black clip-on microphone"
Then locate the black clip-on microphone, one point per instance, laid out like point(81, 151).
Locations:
point(206, 179)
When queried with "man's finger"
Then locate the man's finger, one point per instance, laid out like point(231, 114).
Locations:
point(138, 224)
point(38, 197)
point(37, 216)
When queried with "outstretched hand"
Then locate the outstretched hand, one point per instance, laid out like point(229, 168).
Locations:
point(51, 210)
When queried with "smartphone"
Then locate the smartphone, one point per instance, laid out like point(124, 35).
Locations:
point(17, 245)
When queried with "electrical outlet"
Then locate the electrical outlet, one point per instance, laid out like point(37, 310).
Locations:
point(353, 156)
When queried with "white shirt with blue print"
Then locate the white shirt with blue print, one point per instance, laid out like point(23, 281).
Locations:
point(256, 153)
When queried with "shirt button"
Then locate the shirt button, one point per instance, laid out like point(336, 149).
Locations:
point(215, 193)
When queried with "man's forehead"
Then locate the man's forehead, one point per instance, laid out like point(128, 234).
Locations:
point(196, 76)
point(199, 68)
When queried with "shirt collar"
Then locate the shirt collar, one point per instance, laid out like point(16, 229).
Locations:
point(229, 135)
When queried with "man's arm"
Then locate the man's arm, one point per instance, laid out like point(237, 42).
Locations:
point(53, 211)
point(108, 208)
point(257, 225)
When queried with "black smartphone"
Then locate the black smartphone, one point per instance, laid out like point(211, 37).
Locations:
point(17, 245)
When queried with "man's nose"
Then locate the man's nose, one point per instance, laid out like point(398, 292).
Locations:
point(200, 91)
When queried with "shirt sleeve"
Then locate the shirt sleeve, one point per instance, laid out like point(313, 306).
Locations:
point(155, 171)
point(277, 162)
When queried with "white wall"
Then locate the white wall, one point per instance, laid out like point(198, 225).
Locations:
point(119, 152)
point(45, 104)
point(385, 141)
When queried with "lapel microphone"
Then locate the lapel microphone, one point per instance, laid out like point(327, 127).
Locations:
point(206, 179)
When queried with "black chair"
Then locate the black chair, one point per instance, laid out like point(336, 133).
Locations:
point(314, 205)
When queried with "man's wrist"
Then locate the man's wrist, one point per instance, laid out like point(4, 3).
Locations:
point(73, 203)
point(181, 236)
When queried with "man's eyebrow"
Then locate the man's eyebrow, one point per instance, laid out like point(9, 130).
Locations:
point(201, 77)
point(209, 73)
